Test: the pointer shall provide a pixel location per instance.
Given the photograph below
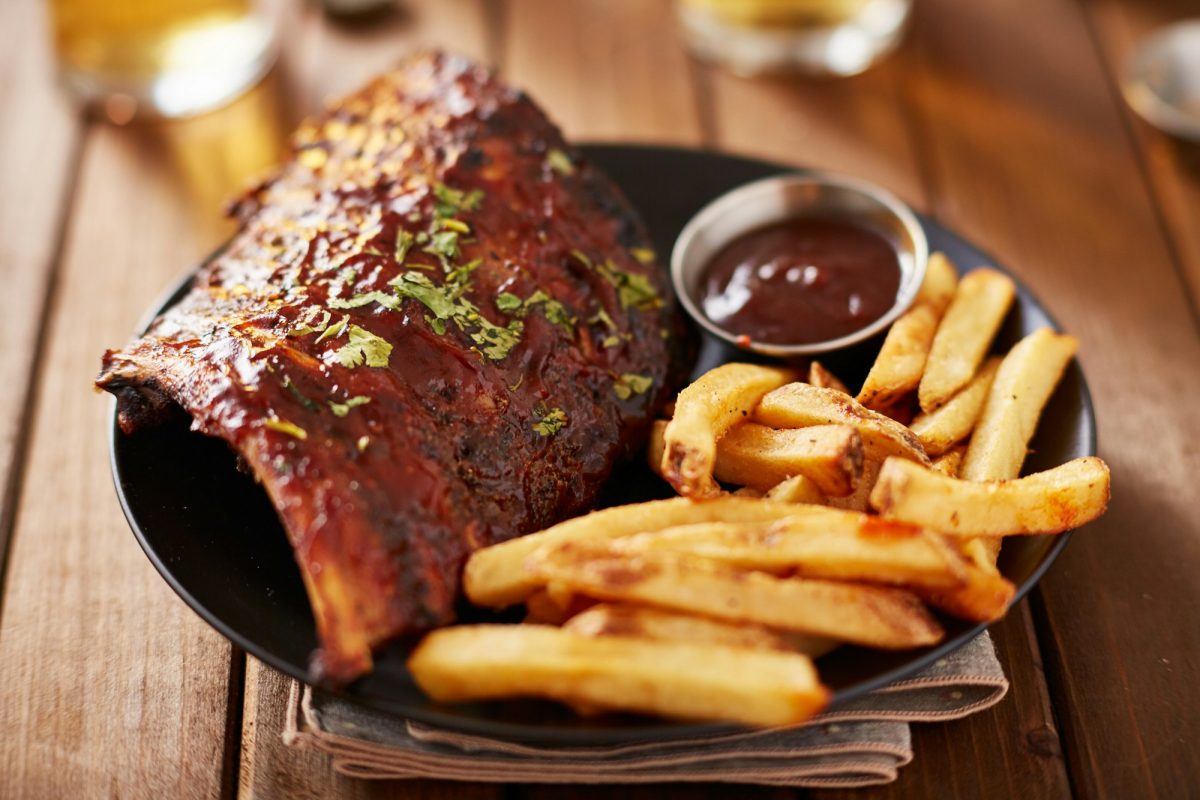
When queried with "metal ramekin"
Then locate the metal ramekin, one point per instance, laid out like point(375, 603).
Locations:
point(783, 197)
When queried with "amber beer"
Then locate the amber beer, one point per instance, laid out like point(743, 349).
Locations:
point(838, 37)
point(170, 57)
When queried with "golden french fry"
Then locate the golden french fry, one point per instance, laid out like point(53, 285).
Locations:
point(858, 500)
point(796, 489)
point(901, 361)
point(554, 605)
point(1053, 501)
point(818, 375)
point(964, 335)
point(704, 412)
point(886, 618)
point(948, 463)
point(984, 598)
point(754, 455)
point(1024, 382)
point(799, 405)
point(817, 542)
point(620, 619)
point(673, 678)
point(747, 491)
point(495, 576)
point(949, 424)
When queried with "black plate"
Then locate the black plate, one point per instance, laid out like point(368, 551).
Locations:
point(213, 535)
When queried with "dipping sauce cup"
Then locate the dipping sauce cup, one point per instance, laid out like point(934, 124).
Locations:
point(827, 233)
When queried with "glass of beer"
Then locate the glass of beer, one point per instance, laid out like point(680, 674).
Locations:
point(169, 58)
point(830, 37)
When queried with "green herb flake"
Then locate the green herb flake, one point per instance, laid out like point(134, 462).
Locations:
point(582, 258)
point(342, 409)
point(549, 421)
point(334, 330)
point(444, 245)
point(630, 384)
point(612, 340)
point(419, 287)
point(644, 255)
point(360, 300)
point(560, 162)
point(456, 225)
point(633, 290)
point(555, 312)
point(601, 317)
point(496, 342)
point(508, 302)
point(363, 441)
point(451, 201)
point(364, 347)
point(301, 398)
point(404, 243)
point(283, 426)
point(308, 323)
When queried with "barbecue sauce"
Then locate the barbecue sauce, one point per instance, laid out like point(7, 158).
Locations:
point(801, 281)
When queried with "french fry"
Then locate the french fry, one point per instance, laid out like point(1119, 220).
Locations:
point(984, 598)
point(964, 335)
point(495, 576)
point(901, 361)
point(858, 500)
point(948, 463)
point(673, 678)
point(890, 619)
point(704, 412)
point(948, 424)
point(796, 489)
point(754, 455)
point(554, 605)
point(817, 543)
point(619, 619)
point(1024, 382)
point(818, 375)
point(799, 405)
point(1053, 501)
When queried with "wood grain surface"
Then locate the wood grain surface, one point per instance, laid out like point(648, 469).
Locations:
point(1001, 117)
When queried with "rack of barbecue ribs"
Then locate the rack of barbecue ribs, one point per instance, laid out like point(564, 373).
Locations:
point(438, 327)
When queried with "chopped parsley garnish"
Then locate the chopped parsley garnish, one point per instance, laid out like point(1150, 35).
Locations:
point(446, 303)
point(404, 243)
point(456, 225)
point(644, 255)
point(283, 426)
point(549, 421)
point(299, 395)
point(560, 162)
point(444, 245)
point(360, 300)
point(602, 317)
point(308, 321)
point(582, 258)
point(334, 330)
point(555, 312)
point(421, 288)
point(507, 302)
point(612, 340)
point(451, 201)
point(363, 441)
point(342, 409)
point(633, 290)
point(364, 347)
point(629, 384)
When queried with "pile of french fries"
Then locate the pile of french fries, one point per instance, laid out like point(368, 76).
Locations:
point(807, 518)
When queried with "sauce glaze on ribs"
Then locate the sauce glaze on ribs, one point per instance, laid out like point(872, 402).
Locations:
point(437, 328)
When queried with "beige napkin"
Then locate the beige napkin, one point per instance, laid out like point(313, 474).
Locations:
point(863, 742)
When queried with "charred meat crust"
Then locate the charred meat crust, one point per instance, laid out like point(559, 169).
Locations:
point(437, 328)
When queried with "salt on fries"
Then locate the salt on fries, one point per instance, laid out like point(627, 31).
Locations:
point(704, 412)
point(838, 524)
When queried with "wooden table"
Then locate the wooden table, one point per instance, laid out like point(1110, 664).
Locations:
point(1001, 117)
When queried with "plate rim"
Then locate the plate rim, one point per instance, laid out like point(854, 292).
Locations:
point(651, 731)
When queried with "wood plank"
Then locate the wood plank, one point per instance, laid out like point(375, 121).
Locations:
point(269, 770)
point(1173, 166)
point(110, 685)
point(604, 70)
point(1032, 160)
point(862, 126)
point(38, 164)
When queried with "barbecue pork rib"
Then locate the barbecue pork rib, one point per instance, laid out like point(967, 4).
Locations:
point(438, 327)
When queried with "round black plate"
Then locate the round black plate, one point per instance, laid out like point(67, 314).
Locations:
point(214, 536)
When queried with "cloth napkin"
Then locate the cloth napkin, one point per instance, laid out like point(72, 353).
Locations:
point(862, 742)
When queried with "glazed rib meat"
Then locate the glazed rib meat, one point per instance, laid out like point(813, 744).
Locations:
point(438, 327)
